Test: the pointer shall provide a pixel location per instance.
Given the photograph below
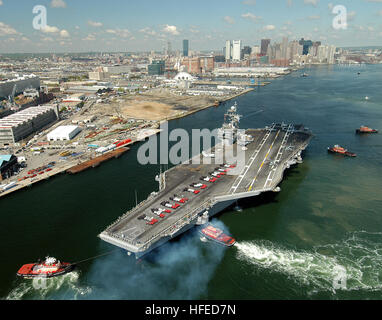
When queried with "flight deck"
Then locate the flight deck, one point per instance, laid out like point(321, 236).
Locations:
point(192, 192)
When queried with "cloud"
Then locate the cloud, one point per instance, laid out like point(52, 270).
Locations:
point(229, 19)
point(251, 16)
point(314, 17)
point(90, 37)
point(1, 2)
point(311, 2)
point(289, 3)
point(64, 34)
point(58, 4)
point(7, 30)
point(94, 23)
point(47, 39)
point(123, 33)
point(171, 30)
point(50, 29)
point(269, 27)
point(148, 31)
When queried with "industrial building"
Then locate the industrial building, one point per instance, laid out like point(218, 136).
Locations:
point(20, 125)
point(8, 165)
point(63, 133)
point(198, 65)
point(157, 67)
point(251, 71)
point(18, 85)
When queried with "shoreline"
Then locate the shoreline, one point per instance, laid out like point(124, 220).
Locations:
point(179, 116)
point(65, 168)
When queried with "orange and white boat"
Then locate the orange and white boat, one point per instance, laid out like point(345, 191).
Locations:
point(364, 129)
point(340, 150)
point(50, 268)
point(217, 235)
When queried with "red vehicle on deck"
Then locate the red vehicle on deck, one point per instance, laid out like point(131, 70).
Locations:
point(51, 267)
point(340, 150)
point(208, 179)
point(179, 199)
point(216, 174)
point(169, 205)
point(159, 212)
point(217, 235)
point(198, 185)
point(151, 221)
point(192, 190)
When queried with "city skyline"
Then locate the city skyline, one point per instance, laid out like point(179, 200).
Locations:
point(84, 26)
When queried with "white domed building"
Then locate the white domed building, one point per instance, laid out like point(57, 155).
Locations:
point(184, 76)
point(183, 80)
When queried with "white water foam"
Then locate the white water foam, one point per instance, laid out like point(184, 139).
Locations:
point(48, 288)
point(359, 257)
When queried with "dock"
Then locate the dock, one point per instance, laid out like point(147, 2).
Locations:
point(92, 163)
point(232, 83)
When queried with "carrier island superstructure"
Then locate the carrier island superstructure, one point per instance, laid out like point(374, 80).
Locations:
point(192, 192)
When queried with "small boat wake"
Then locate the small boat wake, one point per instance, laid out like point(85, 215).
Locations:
point(49, 288)
point(351, 265)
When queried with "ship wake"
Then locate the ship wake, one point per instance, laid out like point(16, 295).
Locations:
point(354, 264)
point(63, 287)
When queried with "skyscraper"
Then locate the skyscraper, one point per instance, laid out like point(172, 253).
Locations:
point(228, 50)
point(264, 46)
point(236, 50)
point(185, 48)
point(306, 45)
point(284, 48)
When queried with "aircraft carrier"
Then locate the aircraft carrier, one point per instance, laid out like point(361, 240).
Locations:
point(192, 192)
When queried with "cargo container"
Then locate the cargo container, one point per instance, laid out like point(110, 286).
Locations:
point(122, 143)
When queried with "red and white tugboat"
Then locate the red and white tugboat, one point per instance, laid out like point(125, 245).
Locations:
point(50, 268)
point(364, 129)
point(217, 235)
point(338, 149)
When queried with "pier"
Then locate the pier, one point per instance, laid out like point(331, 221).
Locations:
point(92, 163)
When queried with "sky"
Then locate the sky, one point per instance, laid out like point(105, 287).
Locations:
point(145, 25)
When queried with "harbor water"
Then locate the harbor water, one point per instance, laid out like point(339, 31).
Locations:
point(319, 238)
